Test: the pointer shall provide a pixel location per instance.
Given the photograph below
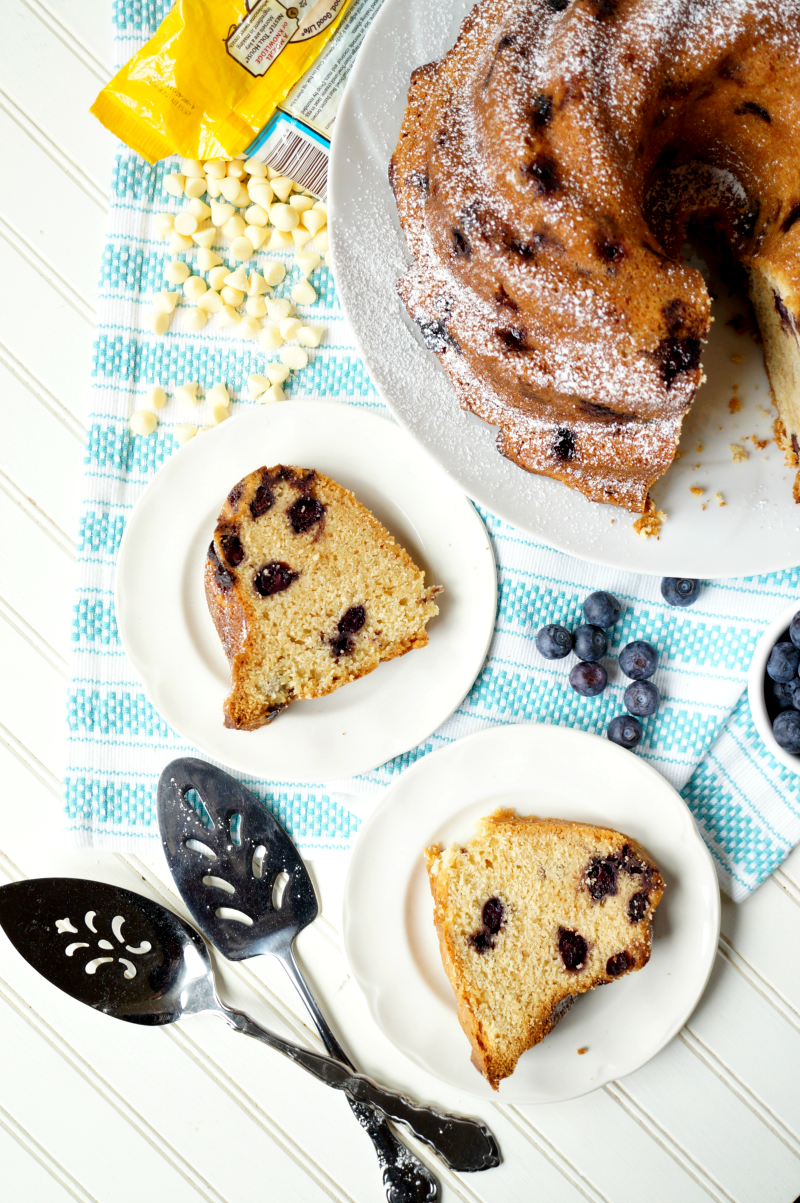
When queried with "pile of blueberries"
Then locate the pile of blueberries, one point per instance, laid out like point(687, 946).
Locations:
point(638, 661)
point(782, 689)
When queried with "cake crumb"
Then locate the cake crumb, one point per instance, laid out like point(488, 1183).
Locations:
point(649, 525)
point(738, 452)
point(759, 443)
point(699, 448)
point(734, 405)
point(764, 412)
point(696, 491)
point(718, 497)
point(737, 358)
point(704, 505)
point(581, 1051)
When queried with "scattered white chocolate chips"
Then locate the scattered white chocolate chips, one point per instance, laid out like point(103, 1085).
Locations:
point(143, 422)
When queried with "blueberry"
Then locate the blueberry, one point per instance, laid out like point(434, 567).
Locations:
point(794, 629)
point(680, 590)
point(588, 679)
point(638, 660)
point(783, 662)
point(784, 694)
point(602, 609)
point(352, 620)
point(642, 698)
point(615, 966)
point(638, 906)
point(274, 578)
point(625, 730)
point(601, 877)
point(786, 730)
point(590, 643)
point(232, 549)
point(554, 642)
point(493, 915)
point(572, 947)
point(305, 512)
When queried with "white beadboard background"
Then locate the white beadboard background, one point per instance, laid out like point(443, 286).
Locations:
point(104, 1112)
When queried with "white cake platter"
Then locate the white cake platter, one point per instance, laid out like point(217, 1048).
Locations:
point(744, 520)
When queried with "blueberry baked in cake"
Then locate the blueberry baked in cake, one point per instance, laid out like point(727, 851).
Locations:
point(307, 591)
point(546, 169)
point(530, 914)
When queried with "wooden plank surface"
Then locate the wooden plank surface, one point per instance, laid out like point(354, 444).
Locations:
point(103, 1112)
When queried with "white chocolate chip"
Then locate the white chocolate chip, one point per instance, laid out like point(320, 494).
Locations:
point(229, 187)
point(241, 249)
point(303, 293)
point(256, 385)
point(277, 372)
point(236, 169)
point(255, 307)
point(232, 296)
point(221, 213)
point(186, 224)
point(284, 217)
point(279, 241)
point(199, 209)
point(321, 241)
point(260, 193)
point(321, 207)
point(279, 309)
point(294, 358)
point(289, 328)
point(216, 168)
point(177, 271)
point(210, 302)
point(273, 393)
point(183, 432)
point(194, 319)
point(314, 221)
point(173, 184)
point(256, 216)
point(300, 237)
point(163, 223)
point(233, 228)
point(157, 397)
point(194, 288)
point(249, 327)
point(193, 168)
point(216, 277)
point(257, 235)
point(219, 413)
point(158, 322)
point(307, 261)
point(237, 279)
point(195, 187)
point(212, 187)
point(272, 174)
point(218, 395)
point(273, 272)
point(270, 339)
point(165, 302)
point(281, 186)
point(255, 167)
point(187, 392)
point(301, 203)
point(143, 422)
point(242, 198)
point(256, 285)
point(228, 316)
point(205, 238)
point(179, 242)
point(310, 336)
point(206, 259)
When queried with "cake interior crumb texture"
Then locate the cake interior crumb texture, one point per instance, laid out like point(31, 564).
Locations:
point(307, 591)
point(530, 914)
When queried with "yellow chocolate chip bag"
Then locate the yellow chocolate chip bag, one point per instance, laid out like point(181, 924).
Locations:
point(212, 75)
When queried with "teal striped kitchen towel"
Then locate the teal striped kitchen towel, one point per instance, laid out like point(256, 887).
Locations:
point(703, 740)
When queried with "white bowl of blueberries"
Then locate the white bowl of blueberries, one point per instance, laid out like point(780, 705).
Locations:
point(773, 687)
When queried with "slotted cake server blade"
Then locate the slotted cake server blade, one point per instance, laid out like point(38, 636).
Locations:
point(226, 853)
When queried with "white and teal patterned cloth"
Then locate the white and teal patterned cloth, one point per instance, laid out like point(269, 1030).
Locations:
point(703, 739)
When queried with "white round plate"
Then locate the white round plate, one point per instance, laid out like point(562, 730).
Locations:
point(169, 636)
point(391, 944)
point(755, 531)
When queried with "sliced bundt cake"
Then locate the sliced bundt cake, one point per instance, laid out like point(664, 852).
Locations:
point(307, 591)
point(531, 913)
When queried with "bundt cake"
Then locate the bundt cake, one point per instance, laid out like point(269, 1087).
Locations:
point(307, 592)
point(531, 913)
point(546, 168)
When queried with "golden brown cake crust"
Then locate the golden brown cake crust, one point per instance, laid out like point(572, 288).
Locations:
point(546, 876)
point(546, 168)
point(307, 592)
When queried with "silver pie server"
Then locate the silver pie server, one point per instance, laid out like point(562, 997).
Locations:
point(133, 959)
point(227, 855)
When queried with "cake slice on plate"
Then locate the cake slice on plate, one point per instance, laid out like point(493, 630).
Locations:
point(530, 914)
